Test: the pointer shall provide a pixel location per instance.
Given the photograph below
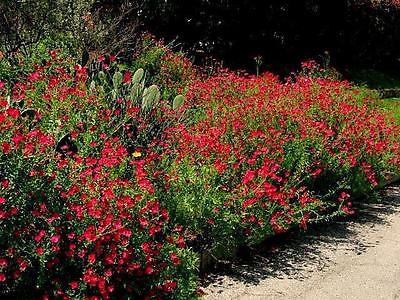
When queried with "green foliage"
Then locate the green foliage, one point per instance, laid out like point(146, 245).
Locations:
point(86, 28)
point(392, 106)
point(28, 22)
point(171, 71)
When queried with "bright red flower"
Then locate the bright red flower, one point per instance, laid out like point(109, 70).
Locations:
point(3, 262)
point(149, 270)
point(13, 112)
point(55, 239)
point(175, 259)
point(92, 258)
point(39, 251)
point(170, 286)
point(74, 285)
point(40, 236)
point(127, 77)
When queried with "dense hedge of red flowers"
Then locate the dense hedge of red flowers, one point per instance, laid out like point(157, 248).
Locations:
point(78, 215)
point(94, 205)
point(263, 156)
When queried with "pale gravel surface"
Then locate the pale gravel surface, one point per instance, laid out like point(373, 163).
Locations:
point(357, 259)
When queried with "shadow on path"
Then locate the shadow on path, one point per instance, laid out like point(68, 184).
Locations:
point(297, 255)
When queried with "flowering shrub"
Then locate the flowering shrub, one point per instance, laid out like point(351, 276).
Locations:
point(312, 69)
point(78, 214)
point(109, 192)
point(261, 156)
point(171, 70)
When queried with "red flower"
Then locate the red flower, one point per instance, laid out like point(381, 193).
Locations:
point(39, 251)
point(101, 58)
point(92, 258)
point(180, 241)
point(127, 77)
point(149, 270)
point(90, 278)
point(3, 263)
point(74, 285)
point(5, 184)
point(249, 202)
point(13, 112)
point(316, 172)
point(55, 239)
point(175, 258)
point(146, 247)
point(304, 220)
point(170, 286)
point(347, 210)
point(22, 264)
point(17, 139)
point(39, 236)
point(33, 77)
point(90, 234)
point(248, 176)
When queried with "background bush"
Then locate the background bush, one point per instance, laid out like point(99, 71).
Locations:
point(283, 33)
point(86, 28)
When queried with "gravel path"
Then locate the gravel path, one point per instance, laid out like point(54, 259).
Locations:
point(358, 259)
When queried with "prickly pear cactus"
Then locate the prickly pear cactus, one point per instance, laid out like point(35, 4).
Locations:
point(178, 102)
point(114, 94)
point(138, 76)
point(136, 91)
point(151, 96)
point(117, 79)
point(102, 76)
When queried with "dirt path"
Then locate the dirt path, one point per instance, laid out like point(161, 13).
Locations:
point(359, 259)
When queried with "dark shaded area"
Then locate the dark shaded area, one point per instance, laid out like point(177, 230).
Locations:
point(283, 32)
point(298, 254)
point(359, 33)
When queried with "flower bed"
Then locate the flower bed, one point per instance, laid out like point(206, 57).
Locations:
point(108, 191)
point(261, 156)
point(78, 214)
